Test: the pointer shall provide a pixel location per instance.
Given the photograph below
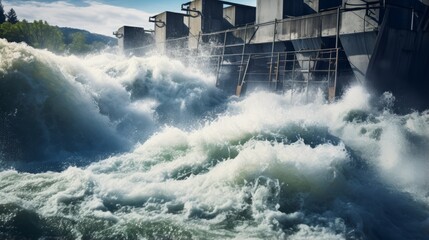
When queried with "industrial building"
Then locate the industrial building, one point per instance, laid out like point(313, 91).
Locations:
point(305, 45)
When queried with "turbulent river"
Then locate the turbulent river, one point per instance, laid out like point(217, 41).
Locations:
point(113, 147)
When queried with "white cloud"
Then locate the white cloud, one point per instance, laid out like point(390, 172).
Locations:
point(94, 17)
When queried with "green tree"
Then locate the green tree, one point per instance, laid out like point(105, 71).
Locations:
point(11, 32)
point(78, 44)
point(2, 15)
point(41, 35)
point(38, 34)
point(11, 16)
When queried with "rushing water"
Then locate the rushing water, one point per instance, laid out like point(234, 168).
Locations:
point(147, 148)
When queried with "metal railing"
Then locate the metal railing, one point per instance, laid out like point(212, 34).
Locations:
point(235, 52)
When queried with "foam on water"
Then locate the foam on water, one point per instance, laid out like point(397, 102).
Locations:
point(262, 167)
point(95, 105)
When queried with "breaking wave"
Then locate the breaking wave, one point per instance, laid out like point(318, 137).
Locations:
point(65, 108)
point(190, 163)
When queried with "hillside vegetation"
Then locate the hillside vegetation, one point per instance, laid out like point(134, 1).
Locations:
point(39, 34)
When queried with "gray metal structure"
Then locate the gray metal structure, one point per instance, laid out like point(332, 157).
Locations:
point(305, 45)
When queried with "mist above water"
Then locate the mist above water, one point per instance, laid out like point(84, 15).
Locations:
point(186, 162)
point(62, 108)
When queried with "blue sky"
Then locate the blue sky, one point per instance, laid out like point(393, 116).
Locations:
point(99, 16)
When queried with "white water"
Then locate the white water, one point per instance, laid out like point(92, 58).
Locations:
point(95, 105)
point(197, 165)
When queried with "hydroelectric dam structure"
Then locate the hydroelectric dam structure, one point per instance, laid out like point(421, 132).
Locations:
point(299, 45)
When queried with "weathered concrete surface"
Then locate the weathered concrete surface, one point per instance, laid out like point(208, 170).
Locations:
point(169, 26)
point(303, 58)
point(133, 40)
point(239, 15)
point(210, 20)
point(359, 48)
point(400, 63)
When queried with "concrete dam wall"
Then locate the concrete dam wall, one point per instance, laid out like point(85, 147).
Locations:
point(302, 45)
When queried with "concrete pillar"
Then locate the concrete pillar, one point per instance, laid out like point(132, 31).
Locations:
point(239, 15)
point(170, 26)
point(210, 19)
point(133, 40)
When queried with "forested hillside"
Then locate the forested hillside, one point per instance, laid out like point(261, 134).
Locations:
point(39, 34)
